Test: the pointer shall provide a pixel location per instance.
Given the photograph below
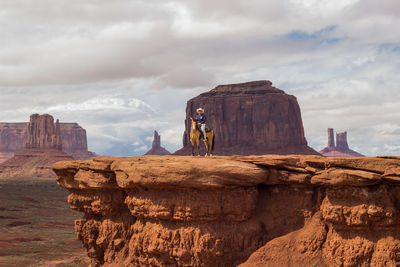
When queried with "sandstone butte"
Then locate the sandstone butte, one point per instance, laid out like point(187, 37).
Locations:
point(43, 149)
point(14, 136)
point(252, 118)
point(236, 211)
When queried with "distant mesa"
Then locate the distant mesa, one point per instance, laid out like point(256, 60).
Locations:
point(43, 149)
point(156, 148)
point(341, 149)
point(14, 138)
point(251, 118)
point(30, 149)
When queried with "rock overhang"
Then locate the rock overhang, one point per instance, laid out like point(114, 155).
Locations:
point(229, 171)
point(217, 211)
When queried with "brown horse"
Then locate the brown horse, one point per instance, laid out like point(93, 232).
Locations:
point(195, 135)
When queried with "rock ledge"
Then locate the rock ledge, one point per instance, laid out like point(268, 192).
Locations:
point(225, 211)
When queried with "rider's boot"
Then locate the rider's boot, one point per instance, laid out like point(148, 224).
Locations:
point(202, 137)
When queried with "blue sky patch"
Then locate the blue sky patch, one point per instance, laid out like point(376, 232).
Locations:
point(389, 47)
point(321, 36)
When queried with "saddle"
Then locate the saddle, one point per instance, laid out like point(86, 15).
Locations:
point(198, 126)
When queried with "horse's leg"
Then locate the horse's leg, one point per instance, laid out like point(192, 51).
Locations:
point(211, 140)
point(198, 147)
point(191, 141)
point(206, 144)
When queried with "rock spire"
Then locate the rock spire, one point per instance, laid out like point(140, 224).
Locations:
point(156, 148)
point(341, 141)
point(331, 138)
point(341, 149)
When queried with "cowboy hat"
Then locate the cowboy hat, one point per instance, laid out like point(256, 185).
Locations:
point(200, 110)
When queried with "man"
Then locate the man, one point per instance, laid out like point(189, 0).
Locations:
point(201, 118)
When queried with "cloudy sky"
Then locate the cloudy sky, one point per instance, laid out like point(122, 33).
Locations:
point(124, 68)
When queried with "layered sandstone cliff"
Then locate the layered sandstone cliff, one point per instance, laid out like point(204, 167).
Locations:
point(43, 149)
point(156, 148)
point(14, 136)
point(74, 141)
point(341, 149)
point(250, 118)
point(43, 133)
point(226, 211)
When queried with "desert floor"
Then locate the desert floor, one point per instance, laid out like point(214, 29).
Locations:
point(37, 225)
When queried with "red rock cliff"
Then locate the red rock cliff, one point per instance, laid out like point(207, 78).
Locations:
point(43, 149)
point(74, 141)
point(43, 133)
point(13, 138)
point(250, 118)
point(225, 211)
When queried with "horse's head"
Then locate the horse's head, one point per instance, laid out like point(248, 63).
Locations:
point(194, 121)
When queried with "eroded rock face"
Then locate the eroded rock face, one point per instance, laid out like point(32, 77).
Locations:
point(249, 119)
point(74, 141)
point(227, 211)
point(43, 133)
point(14, 136)
point(43, 148)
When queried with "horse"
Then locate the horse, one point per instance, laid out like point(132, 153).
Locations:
point(195, 135)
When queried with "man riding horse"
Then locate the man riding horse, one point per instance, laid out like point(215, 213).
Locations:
point(201, 118)
point(199, 131)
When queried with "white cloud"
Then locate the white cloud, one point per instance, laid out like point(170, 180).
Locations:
point(316, 7)
point(141, 149)
point(173, 135)
point(103, 103)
